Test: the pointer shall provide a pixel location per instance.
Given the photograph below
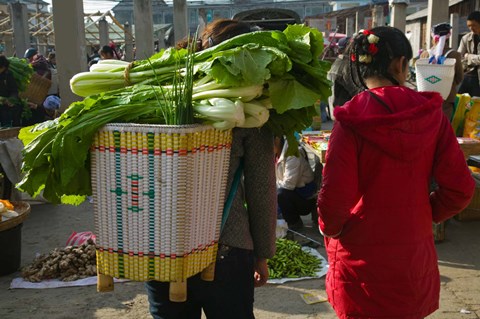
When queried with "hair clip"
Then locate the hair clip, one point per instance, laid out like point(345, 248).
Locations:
point(365, 58)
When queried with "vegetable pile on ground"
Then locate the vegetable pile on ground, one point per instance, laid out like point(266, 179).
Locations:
point(269, 78)
point(67, 264)
point(291, 261)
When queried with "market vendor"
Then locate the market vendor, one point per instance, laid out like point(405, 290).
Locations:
point(296, 188)
point(10, 109)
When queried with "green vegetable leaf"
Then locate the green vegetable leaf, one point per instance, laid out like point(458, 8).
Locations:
point(287, 94)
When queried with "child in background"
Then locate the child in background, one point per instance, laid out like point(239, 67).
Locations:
point(375, 205)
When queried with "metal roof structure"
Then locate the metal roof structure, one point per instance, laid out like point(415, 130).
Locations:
point(40, 26)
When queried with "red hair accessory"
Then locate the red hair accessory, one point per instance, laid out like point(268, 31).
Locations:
point(366, 32)
point(353, 58)
point(372, 48)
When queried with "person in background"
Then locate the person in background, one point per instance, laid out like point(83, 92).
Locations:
point(375, 205)
point(29, 54)
point(40, 66)
point(52, 61)
point(438, 31)
point(296, 187)
point(10, 109)
point(470, 52)
point(343, 89)
point(248, 237)
point(107, 53)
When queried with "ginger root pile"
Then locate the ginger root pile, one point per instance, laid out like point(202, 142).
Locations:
point(67, 264)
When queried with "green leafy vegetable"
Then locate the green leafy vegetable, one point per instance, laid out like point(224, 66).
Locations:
point(267, 78)
point(291, 261)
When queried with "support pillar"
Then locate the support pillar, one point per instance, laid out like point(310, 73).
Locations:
point(128, 53)
point(349, 26)
point(161, 38)
point(180, 19)
point(377, 16)
point(399, 13)
point(19, 19)
point(9, 49)
point(202, 20)
point(71, 53)
point(455, 23)
point(144, 43)
point(437, 13)
point(103, 32)
point(359, 21)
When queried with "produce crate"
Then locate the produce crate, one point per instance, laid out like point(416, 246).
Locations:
point(158, 200)
point(472, 212)
point(469, 146)
point(37, 89)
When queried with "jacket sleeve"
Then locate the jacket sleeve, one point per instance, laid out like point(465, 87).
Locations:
point(458, 67)
point(450, 171)
point(462, 48)
point(260, 191)
point(292, 173)
point(339, 192)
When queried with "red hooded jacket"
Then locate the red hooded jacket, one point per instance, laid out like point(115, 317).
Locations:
point(377, 203)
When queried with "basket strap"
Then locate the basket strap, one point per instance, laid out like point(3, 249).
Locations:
point(231, 194)
point(448, 52)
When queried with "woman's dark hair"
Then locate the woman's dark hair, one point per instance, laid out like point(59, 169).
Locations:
point(107, 50)
point(371, 52)
point(216, 32)
point(474, 16)
point(221, 30)
point(4, 61)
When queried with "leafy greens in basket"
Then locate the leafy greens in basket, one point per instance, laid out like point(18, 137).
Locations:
point(261, 78)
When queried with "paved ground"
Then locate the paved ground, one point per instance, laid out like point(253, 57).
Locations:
point(49, 226)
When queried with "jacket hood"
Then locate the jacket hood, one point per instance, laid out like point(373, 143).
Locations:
point(403, 134)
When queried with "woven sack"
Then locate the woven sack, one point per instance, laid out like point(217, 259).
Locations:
point(435, 77)
point(158, 199)
point(37, 89)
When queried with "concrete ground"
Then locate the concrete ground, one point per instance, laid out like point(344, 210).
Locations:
point(49, 226)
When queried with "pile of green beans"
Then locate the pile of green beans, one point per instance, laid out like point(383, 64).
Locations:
point(290, 261)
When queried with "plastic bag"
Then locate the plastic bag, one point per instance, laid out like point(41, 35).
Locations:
point(462, 105)
point(77, 239)
point(472, 126)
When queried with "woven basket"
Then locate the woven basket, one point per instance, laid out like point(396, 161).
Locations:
point(23, 209)
point(37, 89)
point(158, 199)
point(435, 77)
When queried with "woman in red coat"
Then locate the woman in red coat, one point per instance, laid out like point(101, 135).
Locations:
point(376, 204)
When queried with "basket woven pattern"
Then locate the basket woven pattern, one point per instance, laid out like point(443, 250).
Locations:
point(37, 89)
point(158, 199)
point(435, 77)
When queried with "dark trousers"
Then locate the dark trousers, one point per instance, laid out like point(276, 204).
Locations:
point(470, 85)
point(230, 295)
point(292, 205)
point(10, 115)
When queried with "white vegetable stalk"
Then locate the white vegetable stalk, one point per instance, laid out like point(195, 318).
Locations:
point(224, 113)
point(255, 114)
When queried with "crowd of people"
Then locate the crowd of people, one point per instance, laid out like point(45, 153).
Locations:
point(12, 108)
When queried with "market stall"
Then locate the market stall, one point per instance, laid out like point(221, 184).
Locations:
point(316, 144)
